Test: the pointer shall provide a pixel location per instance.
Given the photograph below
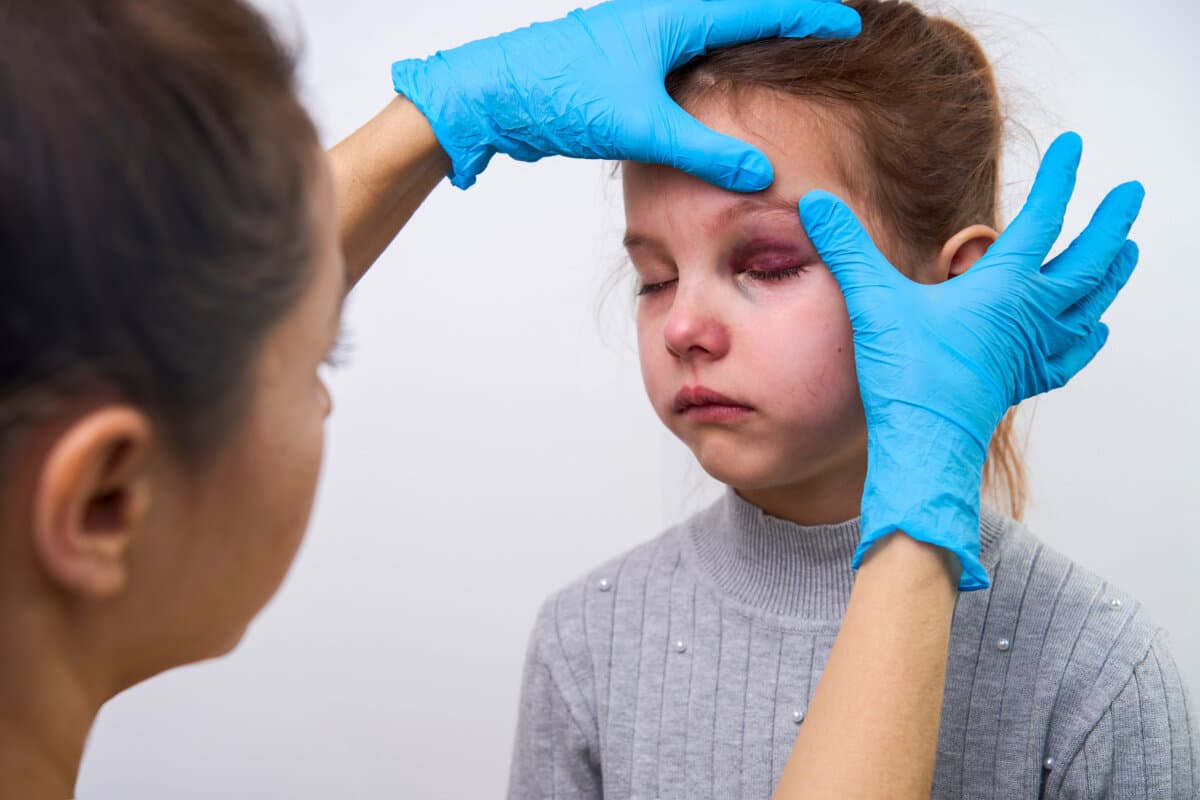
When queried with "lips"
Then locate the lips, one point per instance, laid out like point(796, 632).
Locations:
point(703, 404)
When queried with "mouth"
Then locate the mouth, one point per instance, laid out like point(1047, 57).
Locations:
point(700, 404)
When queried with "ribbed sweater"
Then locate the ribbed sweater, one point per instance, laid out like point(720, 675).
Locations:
point(683, 669)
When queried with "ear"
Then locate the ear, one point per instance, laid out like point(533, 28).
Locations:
point(91, 500)
point(963, 249)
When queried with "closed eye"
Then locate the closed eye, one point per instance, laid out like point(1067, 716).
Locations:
point(775, 274)
point(651, 288)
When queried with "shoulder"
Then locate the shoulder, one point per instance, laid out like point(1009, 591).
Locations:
point(1071, 658)
point(578, 626)
point(583, 608)
point(1078, 621)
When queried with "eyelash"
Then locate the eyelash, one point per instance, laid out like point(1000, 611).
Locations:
point(652, 288)
point(758, 275)
point(775, 274)
point(339, 355)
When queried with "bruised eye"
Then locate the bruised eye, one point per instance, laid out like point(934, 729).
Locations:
point(775, 274)
point(768, 260)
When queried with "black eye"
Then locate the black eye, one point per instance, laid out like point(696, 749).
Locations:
point(774, 274)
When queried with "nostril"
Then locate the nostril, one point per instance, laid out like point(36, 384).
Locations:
point(697, 338)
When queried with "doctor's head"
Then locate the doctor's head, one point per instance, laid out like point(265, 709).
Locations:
point(173, 280)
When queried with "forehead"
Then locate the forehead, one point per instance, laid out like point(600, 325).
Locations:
point(799, 136)
point(802, 140)
point(308, 328)
point(330, 282)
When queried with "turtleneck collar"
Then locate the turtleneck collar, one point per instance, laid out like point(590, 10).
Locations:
point(783, 568)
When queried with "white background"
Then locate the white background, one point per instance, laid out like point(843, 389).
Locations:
point(491, 439)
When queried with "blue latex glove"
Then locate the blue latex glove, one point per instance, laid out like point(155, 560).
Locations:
point(938, 366)
point(590, 85)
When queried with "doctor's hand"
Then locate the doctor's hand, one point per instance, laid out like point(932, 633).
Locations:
point(939, 365)
point(590, 85)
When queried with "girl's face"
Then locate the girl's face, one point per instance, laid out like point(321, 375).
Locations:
point(746, 347)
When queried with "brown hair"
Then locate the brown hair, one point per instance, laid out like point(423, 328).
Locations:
point(918, 94)
point(154, 222)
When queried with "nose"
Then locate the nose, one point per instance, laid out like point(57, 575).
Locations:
point(693, 330)
point(325, 398)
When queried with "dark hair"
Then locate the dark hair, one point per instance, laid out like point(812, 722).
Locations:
point(155, 167)
point(918, 95)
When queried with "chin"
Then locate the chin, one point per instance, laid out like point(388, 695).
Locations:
point(752, 465)
point(742, 470)
point(230, 644)
point(220, 647)
point(170, 660)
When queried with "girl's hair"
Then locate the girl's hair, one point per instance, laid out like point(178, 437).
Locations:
point(917, 101)
point(154, 220)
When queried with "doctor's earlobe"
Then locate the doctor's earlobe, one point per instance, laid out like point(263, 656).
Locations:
point(91, 496)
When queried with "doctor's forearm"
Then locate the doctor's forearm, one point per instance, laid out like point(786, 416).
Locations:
point(383, 172)
point(872, 727)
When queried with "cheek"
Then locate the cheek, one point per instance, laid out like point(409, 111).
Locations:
point(293, 442)
point(655, 361)
point(279, 479)
point(808, 355)
point(249, 523)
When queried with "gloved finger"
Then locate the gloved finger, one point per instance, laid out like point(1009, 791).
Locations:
point(679, 140)
point(1065, 365)
point(1087, 259)
point(730, 22)
point(1089, 309)
point(1034, 231)
point(844, 244)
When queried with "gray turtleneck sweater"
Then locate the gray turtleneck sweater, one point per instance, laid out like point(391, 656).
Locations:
point(683, 669)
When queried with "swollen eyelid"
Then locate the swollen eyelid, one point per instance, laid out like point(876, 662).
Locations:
point(776, 274)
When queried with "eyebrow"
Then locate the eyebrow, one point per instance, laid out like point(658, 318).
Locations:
point(748, 206)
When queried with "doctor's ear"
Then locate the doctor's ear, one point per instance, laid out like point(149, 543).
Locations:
point(91, 498)
point(962, 250)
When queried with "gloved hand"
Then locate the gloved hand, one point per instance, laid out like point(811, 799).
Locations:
point(590, 85)
point(939, 365)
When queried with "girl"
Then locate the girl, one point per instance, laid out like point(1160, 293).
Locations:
point(684, 668)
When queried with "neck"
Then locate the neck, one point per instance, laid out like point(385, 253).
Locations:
point(46, 712)
point(829, 498)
